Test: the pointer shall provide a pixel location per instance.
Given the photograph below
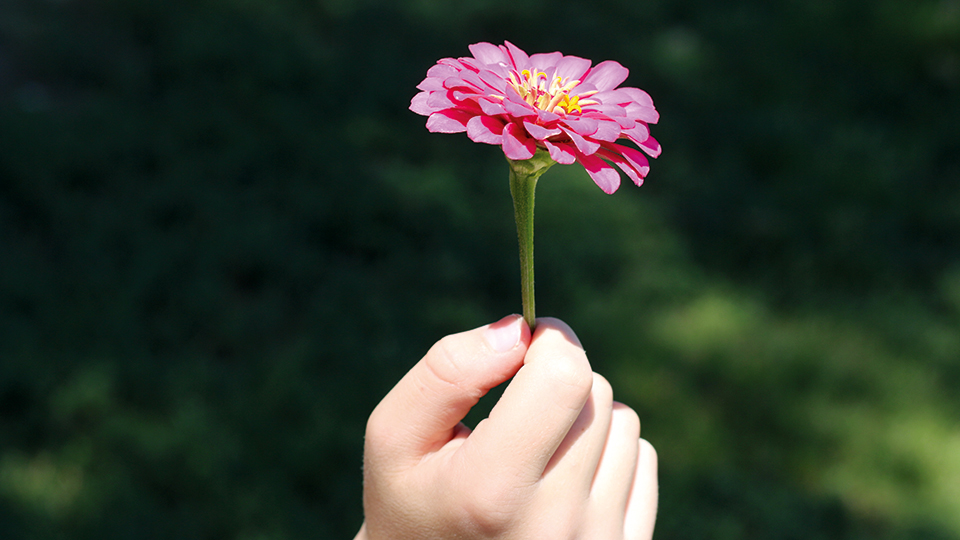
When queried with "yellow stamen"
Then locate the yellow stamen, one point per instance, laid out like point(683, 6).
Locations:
point(548, 95)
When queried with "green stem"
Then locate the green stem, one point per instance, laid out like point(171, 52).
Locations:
point(523, 183)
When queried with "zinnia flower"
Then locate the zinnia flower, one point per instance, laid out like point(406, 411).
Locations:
point(549, 101)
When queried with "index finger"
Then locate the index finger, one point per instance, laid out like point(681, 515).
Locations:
point(536, 410)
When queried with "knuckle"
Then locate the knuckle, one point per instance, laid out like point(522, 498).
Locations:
point(574, 373)
point(444, 360)
point(602, 390)
point(628, 419)
point(648, 450)
point(379, 432)
point(491, 506)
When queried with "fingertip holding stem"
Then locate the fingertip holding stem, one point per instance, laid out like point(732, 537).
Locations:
point(505, 334)
point(547, 323)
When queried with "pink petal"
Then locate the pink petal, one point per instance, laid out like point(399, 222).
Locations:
point(607, 75)
point(547, 117)
point(471, 64)
point(520, 59)
point(642, 113)
point(650, 146)
point(638, 96)
point(583, 88)
point(441, 71)
point(484, 129)
point(608, 130)
point(636, 159)
point(602, 173)
point(638, 133)
point(542, 61)
point(440, 100)
point(562, 153)
point(518, 109)
point(491, 107)
point(539, 132)
point(461, 96)
point(419, 104)
point(452, 62)
point(460, 82)
point(572, 68)
point(493, 80)
point(624, 165)
point(487, 53)
point(608, 109)
point(612, 97)
point(625, 123)
point(516, 143)
point(448, 121)
point(583, 145)
point(430, 84)
point(582, 125)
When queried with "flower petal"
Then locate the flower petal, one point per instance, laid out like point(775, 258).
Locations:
point(539, 132)
point(464, 80)
point(485, 129)
point(491, 107)
point(516, 143)
point(607, 130)
point(519, 58)
point(441, 100)
point(601, 172)
point(472, 64)
point(542, 61)
point(493, 80)
point(624, 165)
point(625, 123)
point(582, 125)
point(608, 109)
point(547, 117)
point(441, 71)
point(460, 96)
point(583, 145)
point(638, 96)
point(607, 75)
point(638, 133)
point(430, 84)
point(448, 121)
point(650, 146)
point(572, 68)
point(636, 159)
point(562, 153)
point(642, 113)
point(419, 104)
point(612, 97)
point(488, 53)
point(520, 109)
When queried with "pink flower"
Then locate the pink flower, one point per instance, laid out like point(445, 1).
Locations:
point(560, 103)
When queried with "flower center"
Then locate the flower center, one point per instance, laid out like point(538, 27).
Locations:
point(552, 96)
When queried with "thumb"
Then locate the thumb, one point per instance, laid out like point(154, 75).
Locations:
point(420, 414)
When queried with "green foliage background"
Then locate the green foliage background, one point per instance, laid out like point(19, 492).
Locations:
point(223, 237)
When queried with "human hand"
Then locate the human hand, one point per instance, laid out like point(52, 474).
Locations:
point(556, 458)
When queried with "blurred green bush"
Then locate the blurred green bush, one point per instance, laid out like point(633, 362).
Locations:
point(223, 238)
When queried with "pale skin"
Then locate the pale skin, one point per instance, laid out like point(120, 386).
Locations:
point(557, 458)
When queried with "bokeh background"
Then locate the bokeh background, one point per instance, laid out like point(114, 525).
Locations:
point(223, 237)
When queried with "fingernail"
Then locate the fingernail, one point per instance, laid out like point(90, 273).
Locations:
point(504, 334)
